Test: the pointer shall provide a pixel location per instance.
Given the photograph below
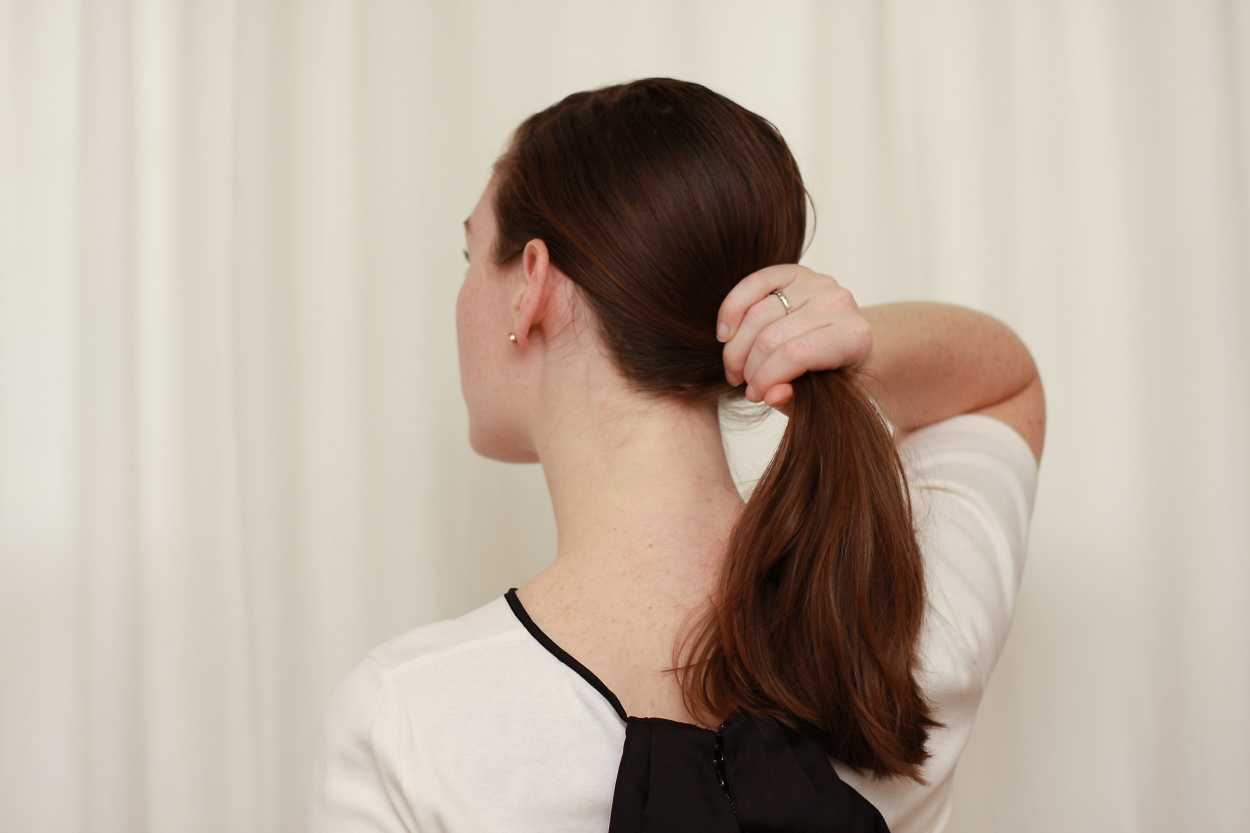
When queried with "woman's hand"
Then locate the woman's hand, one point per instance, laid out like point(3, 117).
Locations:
point(767, 347)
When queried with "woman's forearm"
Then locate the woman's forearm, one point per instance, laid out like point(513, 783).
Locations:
point(932, 360)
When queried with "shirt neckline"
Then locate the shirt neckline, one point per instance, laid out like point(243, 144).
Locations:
point(514, 602)
point(518, 609)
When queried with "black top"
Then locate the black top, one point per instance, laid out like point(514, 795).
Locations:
point(751, 773)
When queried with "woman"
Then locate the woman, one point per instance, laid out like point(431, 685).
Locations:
point(808, 659)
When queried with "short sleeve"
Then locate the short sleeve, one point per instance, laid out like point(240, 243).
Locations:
point(357, 782)
point(973, 479)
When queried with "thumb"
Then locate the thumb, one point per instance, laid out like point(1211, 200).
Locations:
point(781, 397)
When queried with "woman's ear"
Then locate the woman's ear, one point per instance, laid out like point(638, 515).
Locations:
point(531, 302)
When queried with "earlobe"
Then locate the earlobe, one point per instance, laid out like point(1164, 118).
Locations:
point(520, 321)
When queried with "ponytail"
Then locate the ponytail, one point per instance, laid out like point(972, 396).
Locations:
point(819, 607)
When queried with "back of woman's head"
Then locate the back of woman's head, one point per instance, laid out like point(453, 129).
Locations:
point(655, 198)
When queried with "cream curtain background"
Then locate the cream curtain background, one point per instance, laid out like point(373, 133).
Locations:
point(233, 451)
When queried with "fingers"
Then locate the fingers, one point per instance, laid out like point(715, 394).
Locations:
point(779, 397)
point(824, 348)
point(746, 329)
point(769, 346)
point(810, 316)
point(750, 289)
point(836, 309)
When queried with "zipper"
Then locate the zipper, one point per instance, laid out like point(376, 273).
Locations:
point(718, 764)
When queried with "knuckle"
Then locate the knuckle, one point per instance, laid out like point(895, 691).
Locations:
point(769, 339)
point(865, 338)
point(823, 277)
point(752, 317)
point(828, 302)
point(842, 298)
point(795, 349)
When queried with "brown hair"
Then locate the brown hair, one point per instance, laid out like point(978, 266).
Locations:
point(655, 198)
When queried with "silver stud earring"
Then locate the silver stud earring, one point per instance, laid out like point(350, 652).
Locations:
point(512, 337)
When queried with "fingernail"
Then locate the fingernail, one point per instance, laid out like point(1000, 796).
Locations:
point(750, 394)
point(722, 331)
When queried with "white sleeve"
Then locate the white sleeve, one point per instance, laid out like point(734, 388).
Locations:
point(358, 783)
point(974, 479)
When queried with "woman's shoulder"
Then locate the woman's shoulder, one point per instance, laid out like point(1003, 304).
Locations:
point(408, 697)
point(403, 666)
point(427, 642)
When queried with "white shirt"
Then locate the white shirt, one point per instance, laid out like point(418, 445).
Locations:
point(474, 725)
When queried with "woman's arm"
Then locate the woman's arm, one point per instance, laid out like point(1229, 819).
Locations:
point(931, 360)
